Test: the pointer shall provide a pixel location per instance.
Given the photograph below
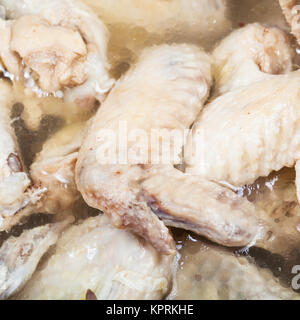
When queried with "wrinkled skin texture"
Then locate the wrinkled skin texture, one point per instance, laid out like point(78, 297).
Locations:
point(208, 209)
point(15, 186)
point(54, 169)
point(126, 192)
point(152, 95)
point(235, 65)
point(51, 65)
point(259, 127)
point(20, 256)
point(208, 272)
point(204, 21)
point(94, 258)
point(291, 9)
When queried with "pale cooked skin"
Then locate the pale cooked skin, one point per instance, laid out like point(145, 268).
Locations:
point(62, 45)
point(94, 256)
point(291, 10)
point(196, 204)
point(247, 133)
point(148, 97)
point(250, 54)
point(15, 186)
point(54, 169)
point(200, 20)
point(214, 273)
point(20, 256)
point(166, 89)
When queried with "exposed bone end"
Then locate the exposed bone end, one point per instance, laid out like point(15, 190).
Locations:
point(291, 10)
point(57, 48)
point(276, 54)
point(57, 57)
point(57, 176)
point(249, 54)
point(136, 217)
point(28, 204)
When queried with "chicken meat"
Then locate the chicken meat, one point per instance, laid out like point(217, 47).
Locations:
point(247, 133)
point(94, 258)
point(19, 256)
point(291, 11)
point(236, 65)
point(165, 90)
point(56, 47)
point(16, 189)
point(54, 169)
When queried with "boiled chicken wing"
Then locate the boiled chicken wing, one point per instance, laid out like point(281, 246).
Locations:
point(19, 256)
point(54, 169)
point(95, 258)
point(247, 133)
point(250, 54)
point(165, 90)
point(16, 190)
point(56, 47)
point(291, 10)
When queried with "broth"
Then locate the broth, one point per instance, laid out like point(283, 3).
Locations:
point(42, 117)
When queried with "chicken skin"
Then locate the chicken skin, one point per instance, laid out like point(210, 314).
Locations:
point(20, 256)
point(235, 65)
point(165, 90)
point(54, 169)
point(94, 257)
point(16, 189)
point(189, 202)
point(291, 10)
point(56, 47)
point(258, 124)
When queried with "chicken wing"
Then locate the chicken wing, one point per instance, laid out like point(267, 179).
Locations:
point(56, 47)
point(16, 191)
point(291, 9)
point(94, 257)
point(247, 133)
point(198, 205)
point(20, 256)
point(250, 54)
point(165, 90)
point(54, 169)
point(207, 272)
